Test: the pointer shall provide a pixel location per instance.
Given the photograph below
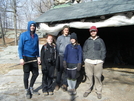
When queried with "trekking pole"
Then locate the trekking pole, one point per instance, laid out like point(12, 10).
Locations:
point(24, 63)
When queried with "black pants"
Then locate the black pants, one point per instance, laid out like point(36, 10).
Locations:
point(71, 71)
point(61, 74)
point(33, 67)
point(47, 79)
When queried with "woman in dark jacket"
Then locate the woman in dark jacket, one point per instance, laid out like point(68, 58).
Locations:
point(72, 62)
point(48, 59)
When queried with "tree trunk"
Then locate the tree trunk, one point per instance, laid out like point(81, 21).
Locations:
point(15, 28)
point(15, 21)
point(2, 32)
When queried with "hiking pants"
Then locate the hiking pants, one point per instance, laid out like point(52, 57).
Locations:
point(94, 70)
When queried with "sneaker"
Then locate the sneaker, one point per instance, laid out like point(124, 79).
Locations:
point(64, 88)
point(57, 88)
point(99, 96)
point(51, 93)
point(45, 93)
point(74, 92)
point(86, 94)
point(33, 92)
point(70, 91)
point(28, 94)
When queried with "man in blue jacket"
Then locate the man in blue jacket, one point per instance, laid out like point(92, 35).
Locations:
point(28, 51)
point(94, 53)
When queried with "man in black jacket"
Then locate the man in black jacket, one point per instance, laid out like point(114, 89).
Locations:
point(94, 53)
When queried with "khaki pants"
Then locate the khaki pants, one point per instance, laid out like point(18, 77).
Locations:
point(95, 71)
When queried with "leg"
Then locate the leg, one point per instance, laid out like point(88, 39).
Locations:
point(26, 70)
point(50, 79)
point(59, 74)
point(34, 73)
point(64, 75)
point(97, 75)
point(26, 76)
point(44, 81)
point(89, 73)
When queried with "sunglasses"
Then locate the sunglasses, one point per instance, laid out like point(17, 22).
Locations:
point(32, 25)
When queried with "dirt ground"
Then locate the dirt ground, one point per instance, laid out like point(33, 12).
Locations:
point(118, 83)
point(117, 86)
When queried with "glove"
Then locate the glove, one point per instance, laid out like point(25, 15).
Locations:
point(65, 64)
point(78, 66)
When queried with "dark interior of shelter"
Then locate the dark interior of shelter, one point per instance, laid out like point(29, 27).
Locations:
point(119, 43)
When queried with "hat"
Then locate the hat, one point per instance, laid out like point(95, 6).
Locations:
point(73, 36)
point(93, 28)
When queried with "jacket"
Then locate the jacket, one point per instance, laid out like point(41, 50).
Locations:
point(94, 49)
point(61, 43)
point(48, 56)
point(28, 46)
point(73, 54)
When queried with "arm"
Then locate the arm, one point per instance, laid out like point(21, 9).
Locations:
point(65, 57)
point(58, 44)
point(80, 54)
point(38, 47)
point(84, 50)
point(21, 46)
point(42, 58)
point(103, 50)
point(80, 58)
point(38, 57)
point(20, 49)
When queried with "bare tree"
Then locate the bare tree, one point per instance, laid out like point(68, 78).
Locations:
point(42, 6)
point(3, 19)
point(14, 5)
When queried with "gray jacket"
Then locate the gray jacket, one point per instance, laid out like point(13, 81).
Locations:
point(94, 49)
point(61, 43)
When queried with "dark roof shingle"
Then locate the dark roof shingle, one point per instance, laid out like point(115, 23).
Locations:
point(88, 9)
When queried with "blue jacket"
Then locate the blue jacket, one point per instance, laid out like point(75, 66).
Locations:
point(73, 54)
point(28, 46)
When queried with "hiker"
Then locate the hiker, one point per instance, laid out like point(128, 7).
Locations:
point(28, 49)
point(62, 42)
point(48, 60)
point(72, 62)
point(94, 53)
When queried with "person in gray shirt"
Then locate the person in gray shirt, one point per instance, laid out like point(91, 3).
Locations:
point(62, 42)
point(94, 53)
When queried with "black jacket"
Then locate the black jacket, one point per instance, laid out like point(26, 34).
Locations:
point(48, 56)
point(94, 49)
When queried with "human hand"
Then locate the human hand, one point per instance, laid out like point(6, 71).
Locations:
point(22, 62)
point(78, 66)
point(39, 61)
point(65, 64)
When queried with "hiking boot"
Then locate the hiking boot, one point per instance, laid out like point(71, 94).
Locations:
point(99, 96)
point(86, 94)
point(33, 92)
point(28, 94)
point(64, 88)
point(45, 93)
point(57, 88)
point(51, 93)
